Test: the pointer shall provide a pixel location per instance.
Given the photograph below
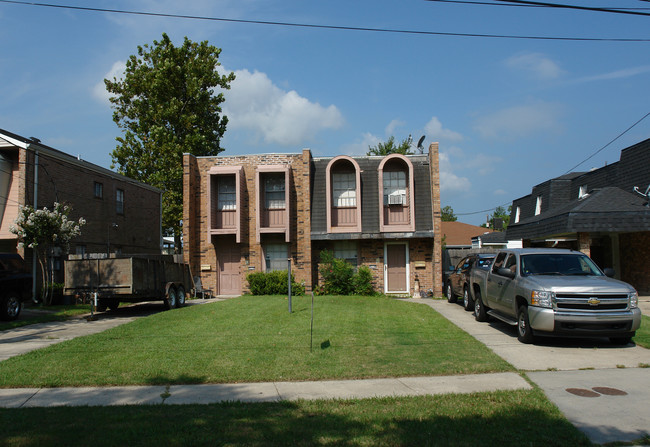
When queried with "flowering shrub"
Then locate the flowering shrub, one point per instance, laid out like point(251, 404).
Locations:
point(42, 230)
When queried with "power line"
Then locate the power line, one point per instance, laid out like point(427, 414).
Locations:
point(329, 27)
point(582, 8)
point(519, 5)
point(603, 148)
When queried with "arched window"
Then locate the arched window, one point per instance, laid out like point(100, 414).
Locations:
point(396, 198)
point(343, 183)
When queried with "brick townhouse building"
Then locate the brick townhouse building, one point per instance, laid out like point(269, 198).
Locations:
point(122, 215)
point(253, 212)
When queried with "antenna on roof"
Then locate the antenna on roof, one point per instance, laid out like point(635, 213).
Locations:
point(644, 194)
point(420, 147)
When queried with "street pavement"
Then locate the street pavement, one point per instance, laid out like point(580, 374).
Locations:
point(601, 388)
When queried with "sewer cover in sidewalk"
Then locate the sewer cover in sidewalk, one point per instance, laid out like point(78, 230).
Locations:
point(582, 392)
point(609, 391)
point(596, 391)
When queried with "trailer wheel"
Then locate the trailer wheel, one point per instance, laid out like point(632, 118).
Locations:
point(102, 305)
point(180, 301)
point(171, 298)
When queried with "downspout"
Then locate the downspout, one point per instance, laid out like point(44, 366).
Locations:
point(34, 260)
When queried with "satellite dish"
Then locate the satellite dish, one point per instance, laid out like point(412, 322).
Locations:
point(420, 147)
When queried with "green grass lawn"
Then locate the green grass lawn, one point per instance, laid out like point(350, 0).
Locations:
point(523, 418)
point(642, 337)
point(251, 339)
point(46, 314)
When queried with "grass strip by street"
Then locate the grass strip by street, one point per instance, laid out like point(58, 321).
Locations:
point(45, 314)
point(482, 419)
point(642, 337)
point(255, 339)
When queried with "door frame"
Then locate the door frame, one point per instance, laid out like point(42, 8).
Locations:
point(218, 266)
point(408, 273)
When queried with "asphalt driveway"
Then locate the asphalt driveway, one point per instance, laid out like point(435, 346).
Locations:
point(603, 389)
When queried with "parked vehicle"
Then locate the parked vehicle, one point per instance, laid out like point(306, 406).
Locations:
point(128, 279)
point(15, 285)
point(555, 292)
point(458, 281)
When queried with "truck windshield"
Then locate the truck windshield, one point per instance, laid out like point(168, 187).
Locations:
point(558, 264)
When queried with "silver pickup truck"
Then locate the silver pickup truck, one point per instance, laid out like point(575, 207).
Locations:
point(546, 291)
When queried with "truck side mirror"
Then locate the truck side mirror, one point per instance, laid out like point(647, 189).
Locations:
point(609, 272)
point(506, 272)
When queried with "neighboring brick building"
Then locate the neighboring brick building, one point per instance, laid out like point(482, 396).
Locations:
point(597, 212)
point(253, 212)
point(122, 215)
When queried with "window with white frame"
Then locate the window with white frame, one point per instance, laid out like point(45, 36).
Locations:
point(394, 187)
point(119, 201)
point(346, 250)
point(538, 205)
point(517, 214)
point(275, 256)
point(344, 189)
point(226, 193)
point(274, 191)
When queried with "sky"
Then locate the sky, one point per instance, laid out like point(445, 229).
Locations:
point(508, 113)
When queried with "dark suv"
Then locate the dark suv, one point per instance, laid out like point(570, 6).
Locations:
point(15, 285)
point(458, 281)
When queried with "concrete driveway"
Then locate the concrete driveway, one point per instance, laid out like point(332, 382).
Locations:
point(603, 389)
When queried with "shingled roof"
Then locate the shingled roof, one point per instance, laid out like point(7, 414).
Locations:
point(608, 209)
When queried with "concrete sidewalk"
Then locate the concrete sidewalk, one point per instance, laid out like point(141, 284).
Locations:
point(260, 392)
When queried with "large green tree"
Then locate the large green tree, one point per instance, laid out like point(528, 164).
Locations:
point(390, 147)
point(166, 105)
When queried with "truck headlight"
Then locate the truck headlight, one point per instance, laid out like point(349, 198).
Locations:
point(634, 299)
point(542, 298)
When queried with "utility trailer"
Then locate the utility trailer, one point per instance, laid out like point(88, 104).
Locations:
point(128, 279)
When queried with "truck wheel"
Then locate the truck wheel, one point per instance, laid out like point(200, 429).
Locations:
point(11, 306)
point(102, 305)
point(450, 294)
point(524, 331)
point(180, 301)
point(621, 341)
point(171, 298)
point(480, 311)
point(468, 302)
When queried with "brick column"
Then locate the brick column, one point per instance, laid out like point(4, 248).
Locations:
point(584, 243)
point(434, 166)
point(302, 178)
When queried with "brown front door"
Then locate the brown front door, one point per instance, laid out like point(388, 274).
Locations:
point(396, 271)
point(228, 258)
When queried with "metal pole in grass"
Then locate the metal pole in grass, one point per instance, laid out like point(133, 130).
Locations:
point(289, 281)
point(311, 325)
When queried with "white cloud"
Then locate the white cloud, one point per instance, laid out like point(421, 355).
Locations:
point(519, 121)
point(450, 182)
point(537, 64)
point(500, 192)
point(618, 74)
point(278, 116)
point(99, 90)
point(390, 129)
point(435, 131)
point(361, 146)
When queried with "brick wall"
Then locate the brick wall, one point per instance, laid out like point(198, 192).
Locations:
point(434, 164)
point(635, 260)
point(200, 246)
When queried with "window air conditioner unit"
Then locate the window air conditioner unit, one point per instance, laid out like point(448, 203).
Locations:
point(396, 200)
